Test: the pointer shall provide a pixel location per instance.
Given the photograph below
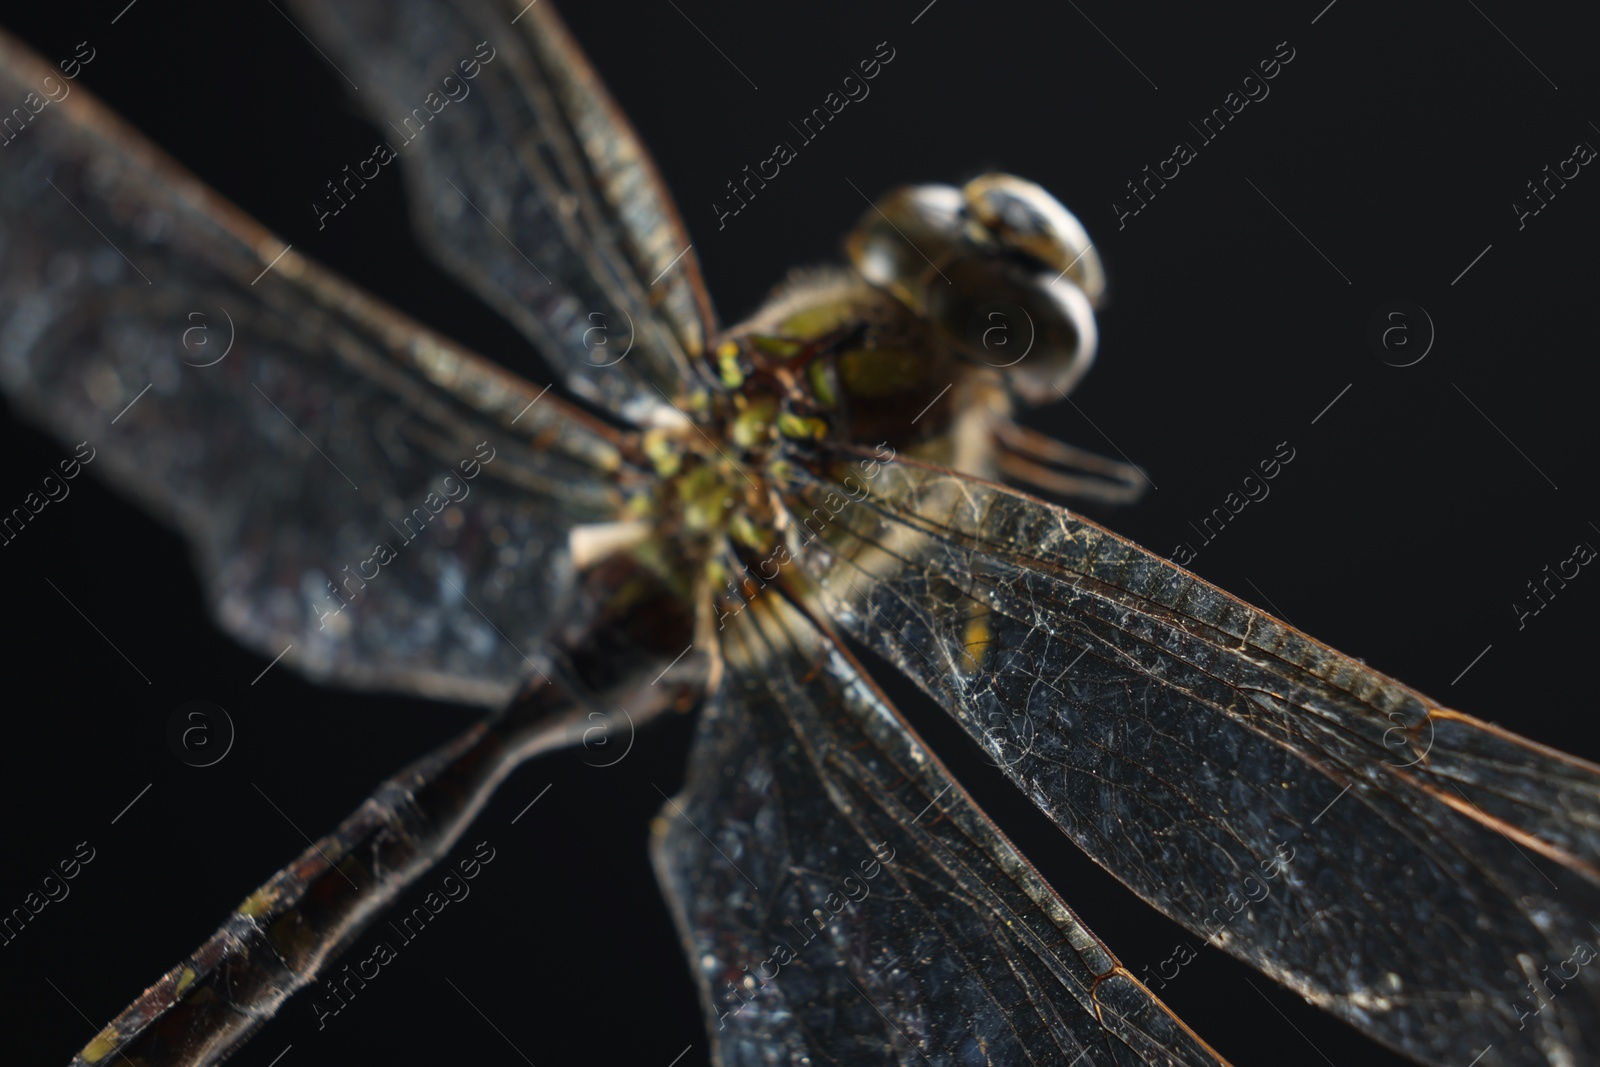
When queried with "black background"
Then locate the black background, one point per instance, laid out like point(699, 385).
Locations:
point(1402, 532)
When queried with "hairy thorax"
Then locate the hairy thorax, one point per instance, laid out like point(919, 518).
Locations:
point(829, 361)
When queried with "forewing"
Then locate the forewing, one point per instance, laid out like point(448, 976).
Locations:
point(330, 427)
point(843, 901)
point(1428, 877)
point(529, 185)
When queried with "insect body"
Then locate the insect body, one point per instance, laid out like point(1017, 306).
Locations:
point(843, 465)
point(956, 301)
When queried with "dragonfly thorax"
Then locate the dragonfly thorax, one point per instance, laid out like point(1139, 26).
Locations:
point(955, 303)
point(830, 359)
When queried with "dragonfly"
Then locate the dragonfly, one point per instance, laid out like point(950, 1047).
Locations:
point(841, 467)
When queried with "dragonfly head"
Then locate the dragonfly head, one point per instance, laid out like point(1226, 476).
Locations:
point(998, 268)
point(959, 301)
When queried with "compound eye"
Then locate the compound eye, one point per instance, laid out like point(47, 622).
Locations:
point(1034, 327)
point(898, 240)
point(1021, 217)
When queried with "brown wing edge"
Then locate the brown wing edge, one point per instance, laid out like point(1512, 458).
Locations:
point(1436, 711)
point(556, 41)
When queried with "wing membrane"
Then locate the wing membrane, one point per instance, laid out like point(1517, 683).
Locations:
point(1428, 877)
point(843, 901)
point(332, 425)
point(532, 188)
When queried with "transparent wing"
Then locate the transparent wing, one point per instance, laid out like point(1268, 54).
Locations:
point(529, 185)
point(843, 901)
point(1428, 877)
point(358, 491)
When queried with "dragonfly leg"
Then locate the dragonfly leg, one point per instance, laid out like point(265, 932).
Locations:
point(1034, 461)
